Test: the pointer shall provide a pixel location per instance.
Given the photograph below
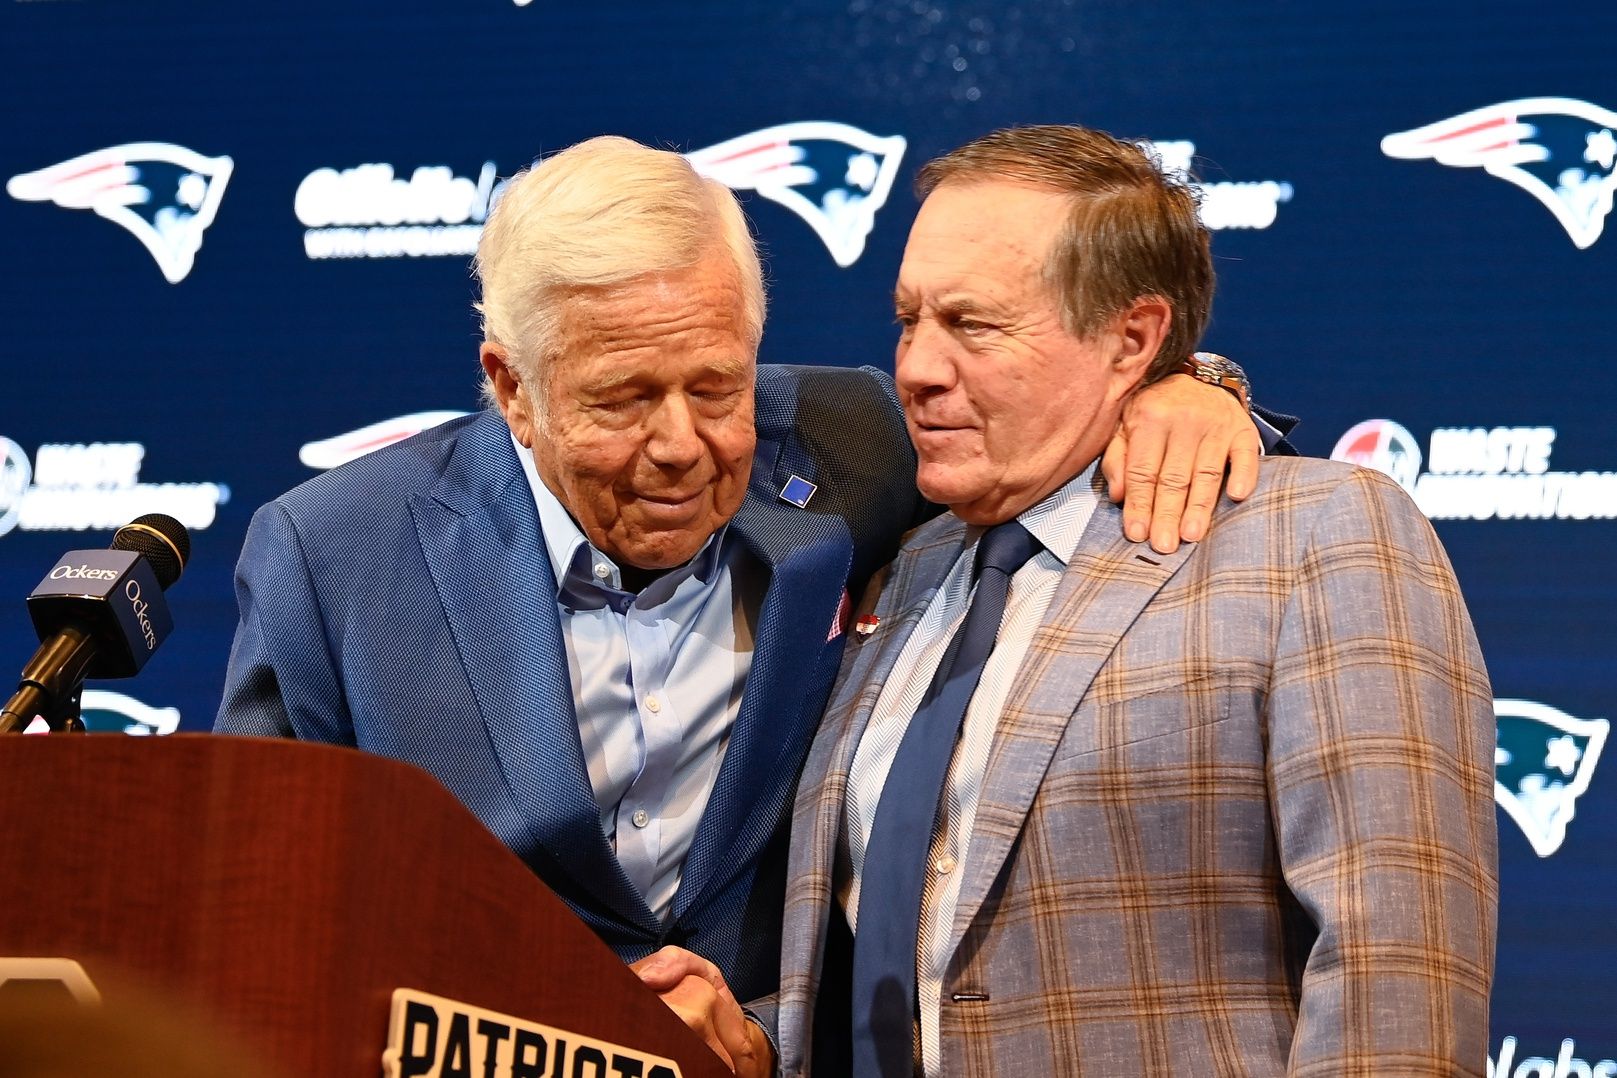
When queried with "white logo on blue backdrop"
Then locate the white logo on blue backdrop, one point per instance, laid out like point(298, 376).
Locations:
point(165, 195)
point(1544, 762)
point(114, 712)
point(831, 175)
point(351, 445)
point(1561, 151)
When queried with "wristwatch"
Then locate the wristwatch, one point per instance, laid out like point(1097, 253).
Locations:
point(1216, 370)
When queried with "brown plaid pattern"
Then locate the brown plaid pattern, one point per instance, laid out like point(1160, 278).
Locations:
point(1238, 817)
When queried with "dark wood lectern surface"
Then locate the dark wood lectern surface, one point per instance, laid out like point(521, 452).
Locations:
point(290, 888)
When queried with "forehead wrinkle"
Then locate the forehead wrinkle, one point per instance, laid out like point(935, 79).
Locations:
point(617, 378)
point(704, 295)
point(954, 303)
point(599, 328)
point(957, 300)
point(965, 286)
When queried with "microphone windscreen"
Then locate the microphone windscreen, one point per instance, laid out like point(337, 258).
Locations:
point(161, 540)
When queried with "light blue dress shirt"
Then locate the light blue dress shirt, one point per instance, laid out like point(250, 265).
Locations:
point(657, 680)
point(1058, 523)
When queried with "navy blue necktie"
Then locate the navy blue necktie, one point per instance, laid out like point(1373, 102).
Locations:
point(884, 1002)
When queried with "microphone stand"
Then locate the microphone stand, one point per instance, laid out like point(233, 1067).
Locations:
point(52, 685)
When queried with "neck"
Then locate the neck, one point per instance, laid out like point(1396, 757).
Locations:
point(637, 580)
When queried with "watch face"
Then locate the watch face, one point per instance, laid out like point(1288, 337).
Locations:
point(1215, 369)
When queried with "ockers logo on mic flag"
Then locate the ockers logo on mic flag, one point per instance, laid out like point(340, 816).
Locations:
point(165, 195)
point(831, 175)
point(1560, 151)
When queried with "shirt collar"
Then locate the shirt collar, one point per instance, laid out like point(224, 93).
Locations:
point(1058, 522)
point(577, 564)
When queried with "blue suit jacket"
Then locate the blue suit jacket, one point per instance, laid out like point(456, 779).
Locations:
point(404, 604)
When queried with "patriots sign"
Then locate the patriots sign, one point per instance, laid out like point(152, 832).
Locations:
point(1543, 764)
point(165, 195)
point(1561, 151)
point(831, 175)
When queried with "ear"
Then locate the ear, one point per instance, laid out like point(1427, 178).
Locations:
point(1139, 333)
point(509, 391)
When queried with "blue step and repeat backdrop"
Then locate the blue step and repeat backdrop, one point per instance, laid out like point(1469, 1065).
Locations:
point(236, 245)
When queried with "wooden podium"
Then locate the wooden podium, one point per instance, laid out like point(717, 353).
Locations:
point(290, 889)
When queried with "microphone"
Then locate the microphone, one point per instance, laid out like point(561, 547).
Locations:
point(98, 613)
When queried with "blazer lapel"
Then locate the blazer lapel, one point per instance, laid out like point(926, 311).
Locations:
point(480, 534)
point(913, 580)
point(1106, 584)
point(807, 556)
point(903, 597)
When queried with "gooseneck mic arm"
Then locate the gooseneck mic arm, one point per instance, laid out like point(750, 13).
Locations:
point(50, 682)
point(98, 613)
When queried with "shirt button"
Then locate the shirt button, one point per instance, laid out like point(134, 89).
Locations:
point(602, 570)
point(653, 704)
point(641, 817)
point(944, 865)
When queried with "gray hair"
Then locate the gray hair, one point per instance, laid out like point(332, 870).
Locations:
point(1133, 230)
point(603, 212)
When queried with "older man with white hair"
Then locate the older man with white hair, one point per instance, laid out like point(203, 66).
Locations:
point(607, 611)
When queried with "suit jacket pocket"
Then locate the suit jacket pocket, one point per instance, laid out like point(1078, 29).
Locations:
point(1160, 793)
point(1159, 725)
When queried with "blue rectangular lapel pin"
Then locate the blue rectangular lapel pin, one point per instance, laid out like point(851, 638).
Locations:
point(798, 491)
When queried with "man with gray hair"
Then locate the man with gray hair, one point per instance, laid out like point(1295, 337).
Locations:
point(1079, 808)
point(607, 611)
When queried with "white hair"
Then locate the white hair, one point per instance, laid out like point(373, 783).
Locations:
point(603, 212)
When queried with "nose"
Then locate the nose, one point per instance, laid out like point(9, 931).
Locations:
point(923, 364)
point(673, 440)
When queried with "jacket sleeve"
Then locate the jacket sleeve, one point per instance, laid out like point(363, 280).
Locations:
point(1381, 735)
point(282, 680)
point(1275, 428)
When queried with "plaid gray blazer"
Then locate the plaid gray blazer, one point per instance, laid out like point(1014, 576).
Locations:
point(1238, 816)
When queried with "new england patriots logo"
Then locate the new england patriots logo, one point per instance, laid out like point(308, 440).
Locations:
point(1560, 151)
point(165, 195)
point(831, 175)
point(113, 712)
point(341, 448)
point(1543, 764)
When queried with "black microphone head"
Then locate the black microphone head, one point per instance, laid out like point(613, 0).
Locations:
point(161, 540)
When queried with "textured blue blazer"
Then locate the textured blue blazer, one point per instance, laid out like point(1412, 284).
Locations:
point(404, 604)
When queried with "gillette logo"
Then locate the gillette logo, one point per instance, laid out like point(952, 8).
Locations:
point(1223, 204)
point(369, 212)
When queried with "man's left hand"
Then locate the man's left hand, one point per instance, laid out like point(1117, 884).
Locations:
point(1167, 460)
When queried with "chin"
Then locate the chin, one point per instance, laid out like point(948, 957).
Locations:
point(980, 514)
point(659, 558)
point(946, 489)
